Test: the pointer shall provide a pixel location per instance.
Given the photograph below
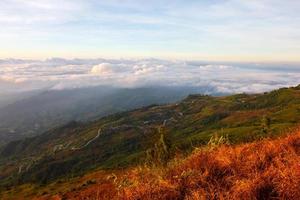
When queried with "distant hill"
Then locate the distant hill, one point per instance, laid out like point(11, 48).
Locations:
point(48, 109)
point(8, 98)
point(121, 140)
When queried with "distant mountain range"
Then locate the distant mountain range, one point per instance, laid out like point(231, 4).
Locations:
point(122, 139)
point(39, 111)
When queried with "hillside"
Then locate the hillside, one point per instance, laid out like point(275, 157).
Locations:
point(267, 169)
point(48, 109)
point(122, 140)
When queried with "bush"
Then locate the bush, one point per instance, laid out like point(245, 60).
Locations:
point(159, 155)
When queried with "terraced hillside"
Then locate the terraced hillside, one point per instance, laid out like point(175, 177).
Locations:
point(121, 140)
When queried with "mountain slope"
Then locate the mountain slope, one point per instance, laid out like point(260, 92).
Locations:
point(49, 109)
point(267, 169)
point(124, 138)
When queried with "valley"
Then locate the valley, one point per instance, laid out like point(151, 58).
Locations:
point(39, 111)
point(122, 140)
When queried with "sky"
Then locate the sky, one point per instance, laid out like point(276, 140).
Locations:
point(211, 30)
point(231, 46)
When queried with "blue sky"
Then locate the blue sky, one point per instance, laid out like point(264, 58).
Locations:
point(216, 30)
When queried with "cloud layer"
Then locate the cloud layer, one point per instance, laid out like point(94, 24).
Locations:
point(57, 73)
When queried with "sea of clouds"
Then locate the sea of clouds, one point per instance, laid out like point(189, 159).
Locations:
point(58, 73)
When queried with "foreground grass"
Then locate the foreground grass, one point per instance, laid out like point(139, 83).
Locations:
point(266, 169)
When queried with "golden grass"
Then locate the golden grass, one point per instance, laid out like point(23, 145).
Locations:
point(267, 169)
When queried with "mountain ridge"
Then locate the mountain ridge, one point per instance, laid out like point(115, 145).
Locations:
point(125, 137)
point(51, 108)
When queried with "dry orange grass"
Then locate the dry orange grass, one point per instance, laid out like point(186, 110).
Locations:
point(268, 169)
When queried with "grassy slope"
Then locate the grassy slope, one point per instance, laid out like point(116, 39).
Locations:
point(266, 169)
point(126, 136)
point(44, 110)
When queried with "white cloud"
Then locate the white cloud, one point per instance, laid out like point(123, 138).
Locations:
point(108, 68)
point(215, 67)
point(62, 73)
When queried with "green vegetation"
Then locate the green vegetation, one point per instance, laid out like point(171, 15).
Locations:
point(126, 138)
point(45, 110)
